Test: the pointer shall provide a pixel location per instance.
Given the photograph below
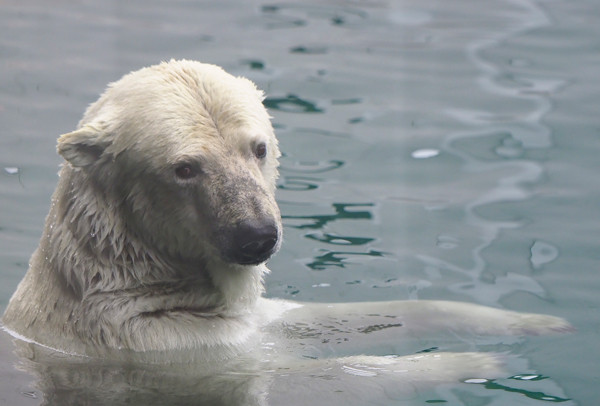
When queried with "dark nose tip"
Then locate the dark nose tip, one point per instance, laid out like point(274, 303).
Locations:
point(254, 243)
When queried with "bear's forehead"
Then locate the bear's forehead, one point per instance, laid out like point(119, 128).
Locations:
point(196, 96)
point(182, 108)
point(202, 84)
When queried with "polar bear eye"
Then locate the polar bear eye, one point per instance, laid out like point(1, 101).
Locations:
point(185, 171)
point(260, 150)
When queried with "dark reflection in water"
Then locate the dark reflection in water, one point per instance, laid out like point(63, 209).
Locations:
point(314, 167)
point(254, 64)
point(318, 221)
point(304, 183)
point(337, 258)
point(299, 183)
point(297, 15)
point(338, 239)
point(356, 120)
point(494, 385)
point(341, 102)
point(310, 50)
point(279, 21)
point(426, 350)
point(291, 104)
point(321, 131)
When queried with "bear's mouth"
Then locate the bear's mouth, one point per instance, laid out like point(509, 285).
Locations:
point(255, 253)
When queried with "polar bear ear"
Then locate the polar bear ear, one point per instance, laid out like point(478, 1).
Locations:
point(82, 147)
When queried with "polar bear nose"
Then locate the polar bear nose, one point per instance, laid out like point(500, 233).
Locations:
point(254, 243)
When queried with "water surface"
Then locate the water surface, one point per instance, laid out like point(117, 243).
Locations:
point(432, 150)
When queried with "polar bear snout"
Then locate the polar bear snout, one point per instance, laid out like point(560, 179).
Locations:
point(253, 242)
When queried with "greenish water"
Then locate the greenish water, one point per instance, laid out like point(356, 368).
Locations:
point(432, 150)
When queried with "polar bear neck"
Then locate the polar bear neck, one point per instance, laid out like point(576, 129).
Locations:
point(98, 254)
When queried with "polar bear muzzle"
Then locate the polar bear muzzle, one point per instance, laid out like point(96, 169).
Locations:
point(251, 242)
point(242, 212)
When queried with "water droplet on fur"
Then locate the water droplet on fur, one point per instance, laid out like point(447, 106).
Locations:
point(425, 153)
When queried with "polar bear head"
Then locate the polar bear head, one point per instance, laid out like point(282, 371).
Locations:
point(183, 156)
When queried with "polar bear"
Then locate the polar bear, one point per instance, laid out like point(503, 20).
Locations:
point(158, 233)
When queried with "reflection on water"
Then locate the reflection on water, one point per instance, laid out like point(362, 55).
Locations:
point(319, 221)
point(338, 259)
point(294, 15)
point(305, 183)
point(516, 131)
point(254, 64)
point(339, 240)
point(494, 385)
point(542, 253)
point(299, 183)
point(313, 167)
point(308, 50)
point(291, 103)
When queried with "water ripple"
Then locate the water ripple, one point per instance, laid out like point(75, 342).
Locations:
point(299, 15)
point(318, 221)
point(516, 133)
point(291, 104)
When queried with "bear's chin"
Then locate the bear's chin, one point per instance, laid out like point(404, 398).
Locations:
point(250, 261)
